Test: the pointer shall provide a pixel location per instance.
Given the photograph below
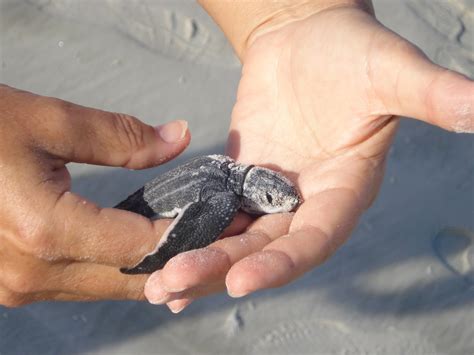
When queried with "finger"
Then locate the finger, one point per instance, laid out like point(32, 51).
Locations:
point(82, 231)
point(85, 232)
point(319, 227)
point(10, 299)
point(67, 297)
point(210, 265)
point(156, 294)
point(43, 281)
point(88, 281)
point(198, 292)
point(81, 134)
point(409, 84)
point(60, 296)
point(238, 225)
point(261, 232)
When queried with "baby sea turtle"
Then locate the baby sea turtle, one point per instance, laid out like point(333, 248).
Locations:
point(203, 196)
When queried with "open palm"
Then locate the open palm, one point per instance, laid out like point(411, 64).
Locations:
point(318, 100)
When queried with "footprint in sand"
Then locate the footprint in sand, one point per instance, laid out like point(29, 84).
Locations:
point(455, 249)
point(328, 336)
point(178, 30)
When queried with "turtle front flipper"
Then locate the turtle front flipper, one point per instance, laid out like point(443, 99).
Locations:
point(196, 226)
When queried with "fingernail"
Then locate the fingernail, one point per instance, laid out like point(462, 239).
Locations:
point(178, 305)
point(237, 294)
point(154, 292)
point(175, 289)
point(172, 132)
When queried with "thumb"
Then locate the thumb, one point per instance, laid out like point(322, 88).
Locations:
point(86, 135)
point(415, 87)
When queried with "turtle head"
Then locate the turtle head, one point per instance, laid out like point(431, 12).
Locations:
point(267, 191)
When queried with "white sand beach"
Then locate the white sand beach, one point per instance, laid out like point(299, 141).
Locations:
point(403, 284)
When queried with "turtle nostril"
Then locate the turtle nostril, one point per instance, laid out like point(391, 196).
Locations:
point(269, 198)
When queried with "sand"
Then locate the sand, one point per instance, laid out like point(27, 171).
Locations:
point(403, 284)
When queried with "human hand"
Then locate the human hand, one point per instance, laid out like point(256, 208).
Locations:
point(54, 244)
point(318, 99)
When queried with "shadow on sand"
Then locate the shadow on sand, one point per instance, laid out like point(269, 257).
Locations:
point(380, 248)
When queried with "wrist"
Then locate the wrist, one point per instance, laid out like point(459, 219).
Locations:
point(243, 21)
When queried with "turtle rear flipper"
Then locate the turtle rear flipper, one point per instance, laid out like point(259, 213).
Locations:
point(196, 226)
point(136, 203)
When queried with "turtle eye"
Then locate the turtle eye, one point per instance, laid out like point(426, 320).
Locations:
point(269, 197)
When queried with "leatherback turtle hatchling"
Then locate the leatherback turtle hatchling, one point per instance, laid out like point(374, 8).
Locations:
point(203, 196)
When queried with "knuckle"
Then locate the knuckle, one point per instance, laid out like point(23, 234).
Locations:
point(19, 282)
point(56, 109)
point(133, 291)
point(129, 131)
point(12, 300)
point(135, 295)
point(33, 236)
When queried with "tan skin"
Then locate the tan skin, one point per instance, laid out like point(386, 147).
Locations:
point(323, 114)
point(55, 245)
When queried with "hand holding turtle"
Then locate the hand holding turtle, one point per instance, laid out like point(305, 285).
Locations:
point(319, 99)
point(54, 244)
